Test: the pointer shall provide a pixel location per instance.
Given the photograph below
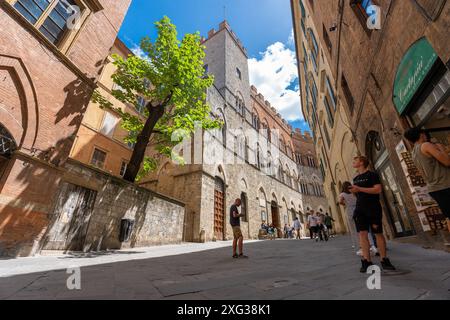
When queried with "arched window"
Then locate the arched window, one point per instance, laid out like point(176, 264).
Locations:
point(280, 172)
point(258, 157)
point(269, 164)
point(246, 149)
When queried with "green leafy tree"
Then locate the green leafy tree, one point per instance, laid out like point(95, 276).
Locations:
point(171, 78)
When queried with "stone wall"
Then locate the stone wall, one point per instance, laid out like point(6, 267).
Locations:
point(157, 219)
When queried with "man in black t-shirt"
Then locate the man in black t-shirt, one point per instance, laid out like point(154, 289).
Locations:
point(368, 213)
point(235, 221)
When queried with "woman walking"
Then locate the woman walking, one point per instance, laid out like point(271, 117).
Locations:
point(348, 200)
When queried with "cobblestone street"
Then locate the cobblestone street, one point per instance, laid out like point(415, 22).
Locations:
point(283, 269)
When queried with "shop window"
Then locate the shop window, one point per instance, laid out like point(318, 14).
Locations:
point(430, 108)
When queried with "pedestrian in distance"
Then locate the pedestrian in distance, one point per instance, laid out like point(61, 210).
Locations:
point(235, 221)
point(328, 224)
point(297, 228)
point(312, 223)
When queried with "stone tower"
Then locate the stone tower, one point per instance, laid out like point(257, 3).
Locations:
point(226, 59)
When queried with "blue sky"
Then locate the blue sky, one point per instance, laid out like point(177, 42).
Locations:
point(264, 27)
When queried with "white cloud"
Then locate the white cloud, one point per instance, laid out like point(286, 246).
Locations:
point(273, 74)
point(137, 51)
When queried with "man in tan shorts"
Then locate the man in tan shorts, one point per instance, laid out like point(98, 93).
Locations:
point(235, 221)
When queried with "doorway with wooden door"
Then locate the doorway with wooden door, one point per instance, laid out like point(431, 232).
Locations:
point(219, 209)
point(392, 195)
point(276, 217)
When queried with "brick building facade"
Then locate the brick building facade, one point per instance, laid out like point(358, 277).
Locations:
point(48, 73)
point(388, 66)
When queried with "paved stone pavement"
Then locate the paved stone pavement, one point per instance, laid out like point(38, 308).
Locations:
point(282, 269)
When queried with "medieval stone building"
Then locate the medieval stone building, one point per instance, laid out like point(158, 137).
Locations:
point(370, 70)
point(253, 157)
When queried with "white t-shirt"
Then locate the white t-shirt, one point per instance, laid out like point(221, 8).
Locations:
point(312, 221)
point(296, 225)
point(350, 203)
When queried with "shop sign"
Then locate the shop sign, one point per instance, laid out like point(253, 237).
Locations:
point(411, 72)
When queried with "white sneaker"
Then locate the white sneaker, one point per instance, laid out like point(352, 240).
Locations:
point(373, 250)
point(359, 252)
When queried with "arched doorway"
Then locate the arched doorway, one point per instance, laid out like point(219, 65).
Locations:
point(276, 216)
point(219, 209)
point(392, 195)
point(7, 147)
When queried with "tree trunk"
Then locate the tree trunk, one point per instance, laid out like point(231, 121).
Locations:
point(142, 141)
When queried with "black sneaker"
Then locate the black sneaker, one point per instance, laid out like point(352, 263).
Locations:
point(243, 256)
point(364, 265)
point(235, 256)
point(387, 265)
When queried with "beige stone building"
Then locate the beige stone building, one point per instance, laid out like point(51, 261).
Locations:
point(388, 65)
point(100, 140)
point(251, 158)
point(334, 144)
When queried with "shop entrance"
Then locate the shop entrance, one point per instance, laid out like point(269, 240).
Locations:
point(393, 198)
